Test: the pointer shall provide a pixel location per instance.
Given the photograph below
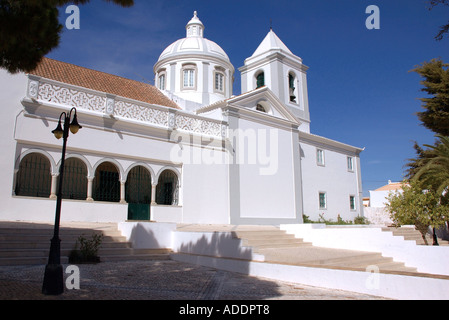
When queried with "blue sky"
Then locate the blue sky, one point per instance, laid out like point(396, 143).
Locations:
point(360, 89)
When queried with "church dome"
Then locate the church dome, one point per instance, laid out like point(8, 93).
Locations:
point(194, 44)
point(194, 71)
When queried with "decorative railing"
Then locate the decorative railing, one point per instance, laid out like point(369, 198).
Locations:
point(49, 91)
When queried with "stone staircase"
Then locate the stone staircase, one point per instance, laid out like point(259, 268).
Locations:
point(29, 244)
point(279, 247)
point(411, 234)
point(270, 238)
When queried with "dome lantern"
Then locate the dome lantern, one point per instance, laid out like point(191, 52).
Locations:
point(195, 27)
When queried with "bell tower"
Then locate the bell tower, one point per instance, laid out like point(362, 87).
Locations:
point(275, 66)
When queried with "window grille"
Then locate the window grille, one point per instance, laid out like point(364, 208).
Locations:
point(138, 186)
point(167, 191)
point(74, 185)
point(34, 177)
point(106, 185)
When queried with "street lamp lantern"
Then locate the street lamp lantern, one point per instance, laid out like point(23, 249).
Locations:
point(54, 277)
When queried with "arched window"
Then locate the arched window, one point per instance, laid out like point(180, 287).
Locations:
point(138, 186)
point(167, 188)
point(74, 184)
point(106, 185)
point(34, 177)
point(260, 80)
point(260, 108)
point(291, 87)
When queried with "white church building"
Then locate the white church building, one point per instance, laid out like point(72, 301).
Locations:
point(185, 150)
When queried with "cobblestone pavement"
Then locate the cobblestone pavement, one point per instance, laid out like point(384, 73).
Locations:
point(161, 280)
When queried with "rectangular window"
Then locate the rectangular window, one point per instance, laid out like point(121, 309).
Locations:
point(189, 78)
point(352, 202)
point(350, 164)
point(320, 157)
point(323, 202)
point(162, 82)
point(219, 80)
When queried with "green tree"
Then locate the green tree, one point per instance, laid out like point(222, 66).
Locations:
point(445, 28)
point(436, 107)
point(414, 164)
point(416, 206)
point(29, 29)
point(434, 170)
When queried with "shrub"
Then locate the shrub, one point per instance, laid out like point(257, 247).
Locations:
point(88, 251)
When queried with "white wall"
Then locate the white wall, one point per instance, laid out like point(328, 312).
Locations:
point(146, 235)
point(378, 198)
point(333, 178)
point(124, 142)
point(264, 185)
point(427, 259)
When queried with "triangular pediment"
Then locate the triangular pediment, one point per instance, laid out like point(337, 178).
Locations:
point(261, 103)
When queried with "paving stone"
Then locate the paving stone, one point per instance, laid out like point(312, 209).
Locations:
point(161, 280)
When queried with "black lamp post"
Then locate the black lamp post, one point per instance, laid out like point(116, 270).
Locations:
point(54, 278)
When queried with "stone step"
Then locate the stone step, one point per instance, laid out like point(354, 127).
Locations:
point(64, 245)
point(262, 234)
point(31, 245)
point(19, 261)
point(361, 258)
point(42, 238)
point(411, 234)
point(264, 239)
point(271, 242)
point(136, 256)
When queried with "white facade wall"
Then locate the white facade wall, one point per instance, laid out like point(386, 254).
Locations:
point(125, 143)
point(379, 198)
point(334, 179)
point(265, 176)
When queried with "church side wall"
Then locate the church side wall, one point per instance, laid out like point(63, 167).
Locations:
point(263, 185)
point(333, 179)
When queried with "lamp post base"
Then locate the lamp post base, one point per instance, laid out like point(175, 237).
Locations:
point(53, 280)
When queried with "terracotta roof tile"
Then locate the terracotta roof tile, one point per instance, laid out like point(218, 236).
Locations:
point(100, 81)
point(391, 187)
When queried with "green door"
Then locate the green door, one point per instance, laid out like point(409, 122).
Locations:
point(138, 211)
point(138, 194)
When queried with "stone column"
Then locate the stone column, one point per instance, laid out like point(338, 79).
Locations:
point(153, 194)
point(54, 185)
point(122, 192)
point(90, 181)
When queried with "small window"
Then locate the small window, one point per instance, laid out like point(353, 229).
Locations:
point(320, 157)
point(161, 83)
point(323, 200)
point(189, 78)
point(260, 80)
point(352, 203)
point(351, 164)
point(219, 82)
